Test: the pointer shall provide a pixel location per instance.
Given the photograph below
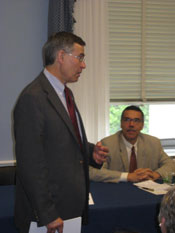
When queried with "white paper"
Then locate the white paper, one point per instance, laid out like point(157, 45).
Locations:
point(71, 225)
point(91, 202)
point(153, 187)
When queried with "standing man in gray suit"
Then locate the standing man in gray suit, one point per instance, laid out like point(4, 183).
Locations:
point(52, 161)
point(151, 161)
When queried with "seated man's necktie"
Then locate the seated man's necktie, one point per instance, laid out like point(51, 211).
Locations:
point(133, 161)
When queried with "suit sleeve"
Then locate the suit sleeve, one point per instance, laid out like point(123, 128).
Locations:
point(32, 168)
point(166, 164)
point(104, 175)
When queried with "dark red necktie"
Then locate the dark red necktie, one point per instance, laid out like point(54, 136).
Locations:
point(71, 109)
point(133, 161)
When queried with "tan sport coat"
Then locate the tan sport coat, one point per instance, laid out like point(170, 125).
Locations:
point(150, 154)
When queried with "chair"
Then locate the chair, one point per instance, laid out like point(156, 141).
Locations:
point(168, 143)
point(8, 175)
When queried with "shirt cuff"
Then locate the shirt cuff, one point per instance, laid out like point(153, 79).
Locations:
point(124, 176)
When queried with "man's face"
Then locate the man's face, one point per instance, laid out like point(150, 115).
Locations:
point(131, 124)
point(72, 65)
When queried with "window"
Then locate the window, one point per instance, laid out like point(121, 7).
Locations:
point(159, 122)
point(141, 50)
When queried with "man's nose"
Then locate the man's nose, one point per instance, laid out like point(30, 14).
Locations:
point(83, 65)
point(131, 123)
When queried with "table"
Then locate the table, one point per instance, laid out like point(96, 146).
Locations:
point(116, 205)
point(122, 205)
point(7, 194)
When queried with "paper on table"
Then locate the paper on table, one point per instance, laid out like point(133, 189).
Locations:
point(71, 225)
point(91, 202)
point(153, 187)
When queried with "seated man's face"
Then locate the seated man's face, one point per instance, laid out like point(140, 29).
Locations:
point(131, 124)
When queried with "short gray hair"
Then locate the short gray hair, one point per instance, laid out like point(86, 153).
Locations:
point(167, 210)
point(59, 41)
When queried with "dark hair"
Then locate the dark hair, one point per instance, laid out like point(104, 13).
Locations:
point(134, 108)
point(123, 230)
point(167, 210)
point(59, 41)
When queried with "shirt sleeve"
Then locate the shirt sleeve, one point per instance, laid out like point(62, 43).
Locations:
point(124, 176)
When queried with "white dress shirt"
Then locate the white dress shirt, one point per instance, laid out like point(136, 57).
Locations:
point(129, 146)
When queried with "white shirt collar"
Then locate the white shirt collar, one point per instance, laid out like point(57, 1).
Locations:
point(127, 144)
point(55, 82)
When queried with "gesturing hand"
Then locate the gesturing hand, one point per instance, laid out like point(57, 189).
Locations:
point(100, 153)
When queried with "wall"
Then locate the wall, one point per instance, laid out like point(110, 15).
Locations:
point(23, 31)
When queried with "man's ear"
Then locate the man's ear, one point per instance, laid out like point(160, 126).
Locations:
point(162, 225)
point(163, 220)
point(142, 126)
point(60, 56)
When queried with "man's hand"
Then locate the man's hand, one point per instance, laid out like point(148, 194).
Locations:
point(155, 175)
point(55, 226)
point(134, 177)
point(142, 174)
point(148, 174)
point(100, 153)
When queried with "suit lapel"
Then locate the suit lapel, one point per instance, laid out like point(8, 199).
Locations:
point(81, 124)
point(56, 103)
point(123, 153)
point(140, 153)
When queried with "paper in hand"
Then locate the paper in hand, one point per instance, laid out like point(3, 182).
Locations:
point(71, 225)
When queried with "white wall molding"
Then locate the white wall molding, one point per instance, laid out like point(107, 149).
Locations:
point(7, 163)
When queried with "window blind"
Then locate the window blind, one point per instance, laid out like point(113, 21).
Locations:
point(141, 50)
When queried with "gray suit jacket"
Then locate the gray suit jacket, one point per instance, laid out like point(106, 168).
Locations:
point(52, 170)
point(150, 154)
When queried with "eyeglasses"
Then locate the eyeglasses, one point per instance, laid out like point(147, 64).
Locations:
point(128, 120)
point(81, 57)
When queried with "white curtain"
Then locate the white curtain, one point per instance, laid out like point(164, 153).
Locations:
point(91, 91)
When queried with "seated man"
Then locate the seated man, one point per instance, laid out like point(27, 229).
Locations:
point(133, 156)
